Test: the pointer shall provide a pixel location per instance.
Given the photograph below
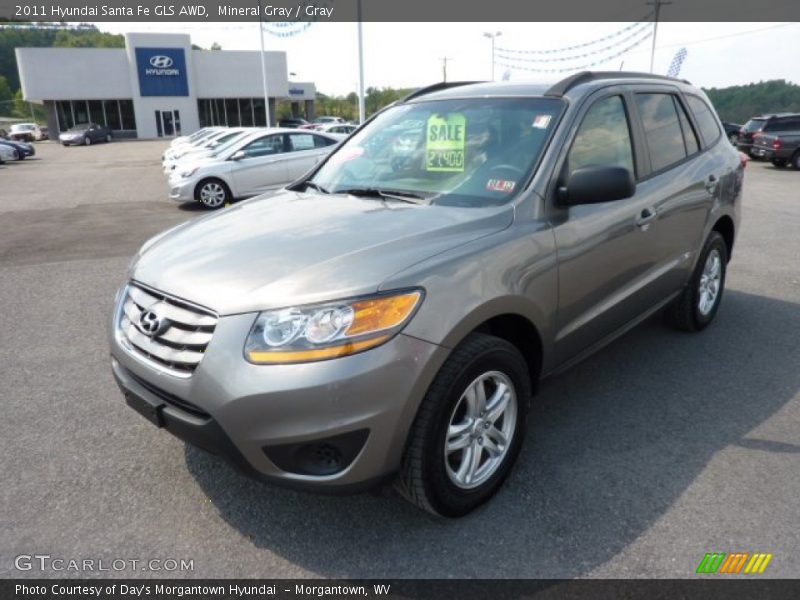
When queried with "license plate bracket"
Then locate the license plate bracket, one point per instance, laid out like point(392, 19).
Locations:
point(151, 412)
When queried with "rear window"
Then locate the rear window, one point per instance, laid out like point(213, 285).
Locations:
point(753, 125)
point(706, 120)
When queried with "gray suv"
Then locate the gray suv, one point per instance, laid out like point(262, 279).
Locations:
point(389, 314)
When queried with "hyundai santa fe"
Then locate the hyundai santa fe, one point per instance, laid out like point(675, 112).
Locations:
point(388, 315)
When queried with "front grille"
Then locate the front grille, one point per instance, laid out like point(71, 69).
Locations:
point(183, 333)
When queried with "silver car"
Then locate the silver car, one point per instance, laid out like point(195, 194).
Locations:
point(261, 161)
point(389, 319)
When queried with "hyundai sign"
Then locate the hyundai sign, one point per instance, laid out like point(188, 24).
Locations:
point(162, 72)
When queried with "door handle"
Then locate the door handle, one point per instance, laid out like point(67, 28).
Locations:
point(711, 183)
point(646, 216)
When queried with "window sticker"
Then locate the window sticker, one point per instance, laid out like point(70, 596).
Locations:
point(446, 142)
point(501, 185)
point(542, 121)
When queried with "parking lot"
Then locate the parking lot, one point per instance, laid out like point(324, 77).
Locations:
point(641, 459)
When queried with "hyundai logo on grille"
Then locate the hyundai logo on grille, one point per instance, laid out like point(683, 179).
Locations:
point(150, 322)
point(161, 62)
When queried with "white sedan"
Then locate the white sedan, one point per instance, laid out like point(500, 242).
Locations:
point(262, 161)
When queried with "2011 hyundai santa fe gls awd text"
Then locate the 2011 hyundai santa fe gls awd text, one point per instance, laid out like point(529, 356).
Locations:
point(390, 313)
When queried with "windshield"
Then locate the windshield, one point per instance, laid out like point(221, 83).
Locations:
point(472, 152)
point(22, 127)
point(225, 146)
point(753, 125)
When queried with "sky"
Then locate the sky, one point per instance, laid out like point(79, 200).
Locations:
point(408, 55)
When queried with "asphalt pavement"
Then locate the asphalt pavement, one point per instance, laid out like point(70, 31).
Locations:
point(658, 449)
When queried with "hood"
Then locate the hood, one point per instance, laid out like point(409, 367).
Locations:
point(292, 248)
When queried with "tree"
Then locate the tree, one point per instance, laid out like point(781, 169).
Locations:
point(6, 96)
point(216, 46)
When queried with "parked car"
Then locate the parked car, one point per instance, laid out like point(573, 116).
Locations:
point(338, 128)
point(25, 132)
point(206, 148)
point(319, 121)
point(85, 134)
point(24, 149)
point(362, 324)
point(260, 162)
point(197, 135)
point(8, 154)
point(45, 132)
point(756, 125)
point(205, 141)
point(732, 131)
point(292, 123)
point(781, 145)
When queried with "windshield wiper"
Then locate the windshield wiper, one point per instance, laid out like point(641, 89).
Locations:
point(316, 186)
point(400, 195)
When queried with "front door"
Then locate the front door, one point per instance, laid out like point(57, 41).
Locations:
point(605, 250)
point(260, 167)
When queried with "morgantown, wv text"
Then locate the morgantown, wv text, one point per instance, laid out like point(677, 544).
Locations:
point(208, 591)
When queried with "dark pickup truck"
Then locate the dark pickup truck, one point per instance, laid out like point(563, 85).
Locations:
point(782, 147)
point(777, 140)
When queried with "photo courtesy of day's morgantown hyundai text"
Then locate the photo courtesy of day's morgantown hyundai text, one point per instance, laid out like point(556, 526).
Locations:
point(388, 315)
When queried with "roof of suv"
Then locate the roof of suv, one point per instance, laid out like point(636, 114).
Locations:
point(588, 79)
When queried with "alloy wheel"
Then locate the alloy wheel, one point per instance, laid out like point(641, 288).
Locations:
point(708, 290)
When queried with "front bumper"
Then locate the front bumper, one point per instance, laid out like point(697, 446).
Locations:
point(266, 419)
point(181, 190)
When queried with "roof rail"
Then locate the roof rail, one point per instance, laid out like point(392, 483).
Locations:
point(565, 85)
point(436, 87)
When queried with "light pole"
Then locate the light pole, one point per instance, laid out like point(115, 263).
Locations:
point(361, 101)
point(263, 64)
point(444, 60)
point(492, 37)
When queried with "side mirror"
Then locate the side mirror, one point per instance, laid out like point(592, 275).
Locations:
point(238, 155)
point(591, 185)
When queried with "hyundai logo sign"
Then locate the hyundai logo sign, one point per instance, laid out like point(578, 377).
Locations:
point(161, 62)
point(162, 72)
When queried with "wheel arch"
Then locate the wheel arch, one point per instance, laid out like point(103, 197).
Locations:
point(208, 178)
point(726, 228)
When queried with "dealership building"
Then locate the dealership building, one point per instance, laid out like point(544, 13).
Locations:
point(158, 86)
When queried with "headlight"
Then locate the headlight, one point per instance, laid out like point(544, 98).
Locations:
point(329, 330)
point(188, 172)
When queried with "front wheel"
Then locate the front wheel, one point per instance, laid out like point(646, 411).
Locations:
point(796, 161)
point(212, 193)
point(696, 307)
point(87, 141)
point(469, 428)
point(108, 138)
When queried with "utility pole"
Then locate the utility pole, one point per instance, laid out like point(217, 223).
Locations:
point(444, 60)
point(492, 37)
point(657, 4)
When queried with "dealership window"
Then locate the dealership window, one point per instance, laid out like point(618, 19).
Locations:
point(231, 112)
point(115, 114)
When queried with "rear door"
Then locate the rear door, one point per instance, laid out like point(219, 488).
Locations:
point(682, 180)
point(305, 150)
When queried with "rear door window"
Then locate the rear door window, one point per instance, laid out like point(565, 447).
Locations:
point(662, 130)
point(689, 135)
point(706, 120)
point(301, 141)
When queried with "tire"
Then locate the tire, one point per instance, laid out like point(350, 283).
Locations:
point(692, 310)
point(429, 476)
point(212, 193)
point(87, 141)
point(108, 138)
point(778, 162)
point(796, 161)
point(733, 139)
